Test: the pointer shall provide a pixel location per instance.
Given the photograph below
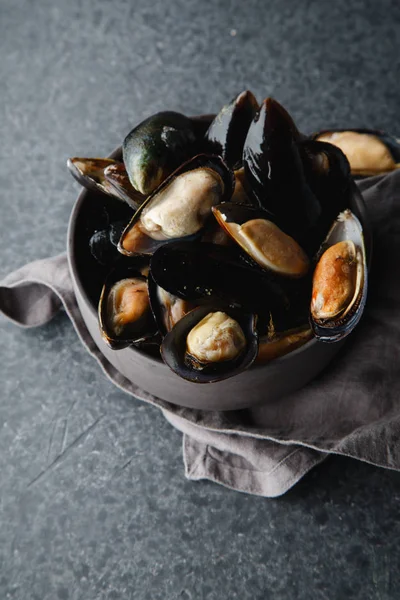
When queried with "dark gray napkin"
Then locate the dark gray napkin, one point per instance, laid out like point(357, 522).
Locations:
point(353, 408)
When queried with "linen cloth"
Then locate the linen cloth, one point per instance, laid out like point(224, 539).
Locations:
point(352, 408)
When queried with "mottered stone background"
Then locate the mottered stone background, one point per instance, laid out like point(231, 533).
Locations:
point(93, 502)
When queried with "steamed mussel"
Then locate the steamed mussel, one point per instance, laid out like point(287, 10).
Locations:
point(167, 308)
point(180, 206)
point(125, 315)
point(246, 241)
point(340, 280)
point(369, 151)
point(211, 343)
point(262, 239)
point(156, 147)
point(105, 175)
point(228, 131)
point(274, 170)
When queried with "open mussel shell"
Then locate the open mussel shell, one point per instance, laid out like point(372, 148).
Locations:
point(369, 151)
point(340, 280)
point(254, 231)
point(89, 172)
point(99, 174)
point(167, 308)
point(274, 173)
point(228, 131)
point(124, 311)
point(240, 344)
point(208, 271)
point(118, 181)
point(180, 206)
point(156, 147)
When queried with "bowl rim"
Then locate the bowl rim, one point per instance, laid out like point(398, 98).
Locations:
point(74, 274)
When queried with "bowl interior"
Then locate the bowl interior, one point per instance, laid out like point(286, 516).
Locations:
point(93, 210)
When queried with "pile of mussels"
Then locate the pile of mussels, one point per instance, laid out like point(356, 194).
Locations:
point(244, 240)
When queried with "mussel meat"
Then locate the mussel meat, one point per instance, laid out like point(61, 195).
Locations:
point(156, 147)
point(274, 170)
point(228, 130)
point(275, 346)
point(180, 207)
point(262, 239)
point(125, 315)
point(340, 281)
point(167, 308)
point(240, 196)
point(211, 343)
point(369, 151)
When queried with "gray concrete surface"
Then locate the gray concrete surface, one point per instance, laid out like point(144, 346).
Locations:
point(112, 516)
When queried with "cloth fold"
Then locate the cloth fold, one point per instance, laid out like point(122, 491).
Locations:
point(353, 408)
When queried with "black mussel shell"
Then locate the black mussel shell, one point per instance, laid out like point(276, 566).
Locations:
point(105, 175)
point(214, 234)
point(262, 239)
point(144, 330)
point(340, 321)
point(328, 175)
point(144, 244)
point(89, 172)
point(118, 181)
point(116, 230)
point(162, 303)
point(156, 147)
point(103, 244)
point(274, 171)
point(201, 124)
point(102, 249)
point(358, 167)
point(173, 348)
point(228, 131)
point(196, 271)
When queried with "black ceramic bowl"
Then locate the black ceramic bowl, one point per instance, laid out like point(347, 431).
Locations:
point(259, 384)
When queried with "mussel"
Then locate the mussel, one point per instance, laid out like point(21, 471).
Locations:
point(124, 312)
point(102, 247)
point(327, 172)
point(167, 308)
point(228, 130)
point(89, 172)
point(339, 288)
point(274, 172)
point(274, 346)
point(240, 196)
point(211, 343)
point(197, 272)
point(214, 234)
point(97, 174)
point(262, 239)
point(369, 151)
point(180, 207)
point(156, 147)
point(118, 181)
